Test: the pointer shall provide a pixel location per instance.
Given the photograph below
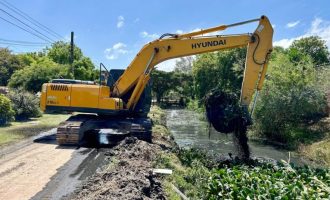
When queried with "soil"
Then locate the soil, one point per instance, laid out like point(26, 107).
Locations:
point(129, 173)
point(27, 167)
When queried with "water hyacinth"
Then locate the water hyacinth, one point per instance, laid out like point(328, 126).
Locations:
point(268, 181)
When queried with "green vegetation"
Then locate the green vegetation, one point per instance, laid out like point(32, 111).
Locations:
point(318, 152)
point(8, 64)
point(313, 47)
point(31, 70)
point(38, 72)
point(199, 176)
point(7, 112)
point(176, 85)
point(25, 104)
point(268, 181)
point(173, 85)
point(23, 129)
point(291, 99)
point(221, 70)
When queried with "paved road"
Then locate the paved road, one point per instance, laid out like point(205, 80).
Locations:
point(39, 169)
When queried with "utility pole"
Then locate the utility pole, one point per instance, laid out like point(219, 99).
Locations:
point(71, 52)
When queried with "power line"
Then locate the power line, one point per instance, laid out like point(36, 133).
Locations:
point(22, 42)
point(49, 39)
point(30, 19)
point(24, 29)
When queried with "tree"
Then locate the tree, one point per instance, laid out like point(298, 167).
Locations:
point(162, 82)
point(184, 65)
point(312, 46)
point(83, 66)
point(27, 59)
point(84, 69)
point(9, 63)
point(60, 52)
point(40, 71)
point(184, 84)
point(222, 70)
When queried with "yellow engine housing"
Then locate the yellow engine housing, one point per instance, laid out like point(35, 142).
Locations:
point(79, 98)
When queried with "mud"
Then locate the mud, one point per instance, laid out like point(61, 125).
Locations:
point(128, 174)
point(226, 115)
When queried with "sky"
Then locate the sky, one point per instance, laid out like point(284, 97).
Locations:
point(113, 32)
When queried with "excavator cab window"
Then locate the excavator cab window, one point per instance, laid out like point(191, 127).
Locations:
point(114, 76)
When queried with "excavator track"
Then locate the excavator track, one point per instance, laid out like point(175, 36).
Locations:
point(84, 129)
point(68, 131)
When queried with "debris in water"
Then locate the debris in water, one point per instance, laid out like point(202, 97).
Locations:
point(226, 115)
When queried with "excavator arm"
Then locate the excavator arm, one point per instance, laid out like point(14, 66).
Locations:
point(259, 46)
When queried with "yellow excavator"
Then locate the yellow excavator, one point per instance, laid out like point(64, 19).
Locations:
point(119, 107)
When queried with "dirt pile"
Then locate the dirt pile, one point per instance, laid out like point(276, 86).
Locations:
point(128, 176)
point(226, 116)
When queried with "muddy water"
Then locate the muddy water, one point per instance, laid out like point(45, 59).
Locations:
point(189, 130)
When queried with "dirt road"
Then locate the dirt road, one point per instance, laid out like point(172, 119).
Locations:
point(37, 168)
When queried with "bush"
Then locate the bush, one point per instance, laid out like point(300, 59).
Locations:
point(6, 111)
point(25, 104)
point(291, 98)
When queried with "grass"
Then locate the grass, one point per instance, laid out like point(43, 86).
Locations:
point(318, 151)
point(22, 129)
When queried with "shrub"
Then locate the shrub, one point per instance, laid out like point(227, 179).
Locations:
point(25, 104)
point(6, 111)
point(291, 98)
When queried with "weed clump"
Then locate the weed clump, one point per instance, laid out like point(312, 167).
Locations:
point(226, 115)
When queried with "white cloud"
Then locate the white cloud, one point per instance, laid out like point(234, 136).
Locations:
point(292, 24)
point(167, 65)
point(179, 31)
point(319, 27)
point(115, 51)
point(285, 43)
point(120, 21)
point(145, 34)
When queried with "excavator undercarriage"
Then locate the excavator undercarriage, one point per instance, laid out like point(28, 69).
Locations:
point(94, 130)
